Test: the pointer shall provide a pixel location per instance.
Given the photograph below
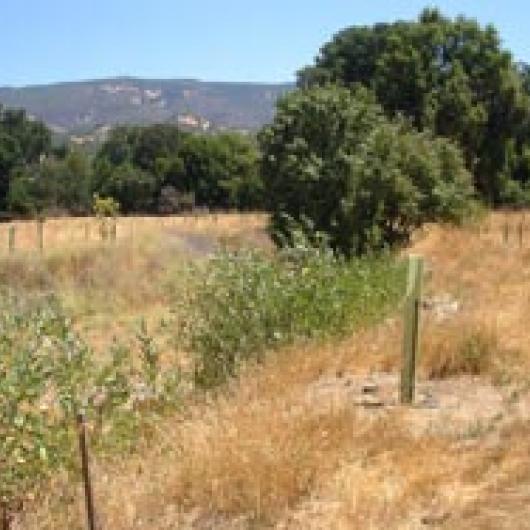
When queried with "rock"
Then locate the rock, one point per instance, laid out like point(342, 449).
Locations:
point(442, 306)
point(369, 401)
point(435, 518)
point(370, 388)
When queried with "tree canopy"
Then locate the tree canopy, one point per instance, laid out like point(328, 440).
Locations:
point(160, 168)
point(22, 142)
point(450, 76)
point(333, 163)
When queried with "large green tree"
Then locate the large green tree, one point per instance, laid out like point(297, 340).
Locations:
point(448, 75)
point(22, 142)
point(333, 163)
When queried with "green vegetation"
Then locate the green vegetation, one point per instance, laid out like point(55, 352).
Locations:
point(155, 169)
point(162, 169)
point(53, 186)
point(448, 76)
point(49, 374)
point(22, 142)
point(240, 304)
point(333, 163)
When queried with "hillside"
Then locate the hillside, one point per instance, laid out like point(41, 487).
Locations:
point(81, 107)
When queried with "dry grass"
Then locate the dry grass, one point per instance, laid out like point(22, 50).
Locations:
point(109, 286)
point(74, 233)
point(286, 446)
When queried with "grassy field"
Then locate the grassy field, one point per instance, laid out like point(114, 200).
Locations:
point(108, 285)
point(296, 442)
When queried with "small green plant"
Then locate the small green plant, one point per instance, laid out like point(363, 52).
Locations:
point(161, 384)
point(105, 206)
point(106, 209)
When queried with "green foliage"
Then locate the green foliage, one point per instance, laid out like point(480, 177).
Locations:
point(451, 76)
point(48, 374)
point(173, 201)
point(22, 142)
point(131, 186)
point(239, 304)
point(221, 171)
point(105, 206)
point(52, 186)
point(161, 169)
point(333, 163)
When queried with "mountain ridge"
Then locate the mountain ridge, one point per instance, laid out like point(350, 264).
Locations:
point(78, 107)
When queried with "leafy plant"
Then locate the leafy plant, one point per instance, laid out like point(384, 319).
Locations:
point(106, 210)
point(47, 375)
point(239, 304)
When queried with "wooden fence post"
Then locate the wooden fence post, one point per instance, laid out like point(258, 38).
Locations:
point(411, 332)
point(5, 521)
point(40, 234)
point(12, 232)
point(506, 232)
point(85, 468)
point(113, 229)
point(520, 233)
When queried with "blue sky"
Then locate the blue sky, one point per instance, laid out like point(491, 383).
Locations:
point(232, 40)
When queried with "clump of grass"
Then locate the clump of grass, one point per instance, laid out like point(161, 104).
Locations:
point(239, 304)
point(471, 351)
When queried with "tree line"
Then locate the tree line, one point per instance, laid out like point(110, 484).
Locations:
point(393, 125)
point(152, 169)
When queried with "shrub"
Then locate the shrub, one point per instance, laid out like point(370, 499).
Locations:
point(47, 375)
point(449, 75)
point(333, 163)
point(239, 304)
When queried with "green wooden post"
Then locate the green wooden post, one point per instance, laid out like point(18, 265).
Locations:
point(520, 233)
point(506, 232)
point(12, 232)
point(40, 234)
point(113, 229)
point(103, 228)
point(87, 231)
point(411, 344)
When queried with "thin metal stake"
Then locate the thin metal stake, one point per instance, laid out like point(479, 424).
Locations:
point(6, 519)
point(89, 499)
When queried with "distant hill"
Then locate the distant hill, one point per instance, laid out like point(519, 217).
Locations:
point(78, 108)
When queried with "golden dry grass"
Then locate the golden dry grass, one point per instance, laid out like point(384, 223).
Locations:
point(287, 446)
point(73, 233)
point(108, 286)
